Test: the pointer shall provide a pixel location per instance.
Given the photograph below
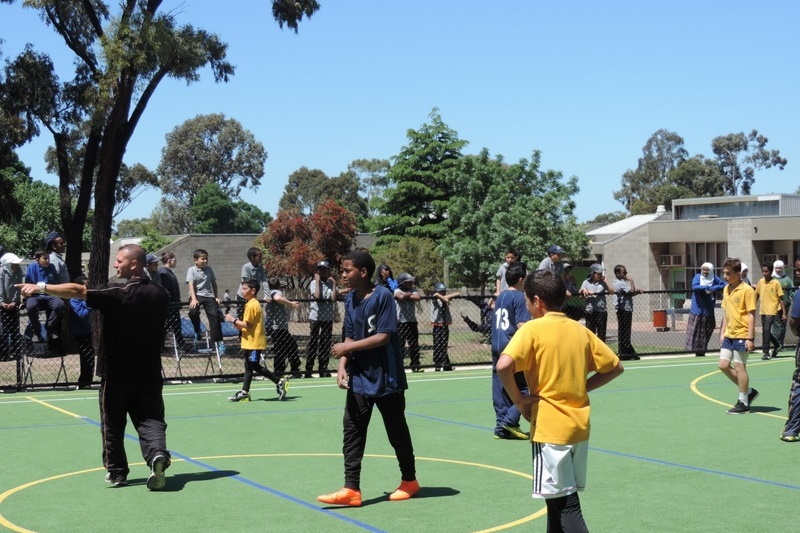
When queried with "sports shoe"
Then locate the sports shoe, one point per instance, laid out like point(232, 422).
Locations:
point(405, 491)
point(282, 387)
point(240, 396)
point(789, 438)
point(751, 397)
point(157, 480)
point(739, 408)
point(515, 432)
point(765, 357)
point(418, 370)
point(117, 479)
point(343, 496)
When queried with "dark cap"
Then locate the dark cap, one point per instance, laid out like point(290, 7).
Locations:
point(404, 277)
point(53, 235)
point(151, 258)
point(555, 249)
point(439, 287)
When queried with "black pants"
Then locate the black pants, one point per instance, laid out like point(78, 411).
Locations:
point(409, 335)
point(319, 345)
point(357, 414)
point(768, 341)
point(252, 364)
point(145, 405)
point(86, 351)
point(441, 338)
point(564, 515)
point(624, 323)
point(285, 348)
point(596, 322)
point(212, 312)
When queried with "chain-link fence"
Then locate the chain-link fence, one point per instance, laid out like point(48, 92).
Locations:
point(658, 326)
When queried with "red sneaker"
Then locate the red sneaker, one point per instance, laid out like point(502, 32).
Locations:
point(405, 491)
point(343, 496)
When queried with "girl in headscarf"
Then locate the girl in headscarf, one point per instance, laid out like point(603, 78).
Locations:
point(702, 323)
point(779, 326)
point(745, 277)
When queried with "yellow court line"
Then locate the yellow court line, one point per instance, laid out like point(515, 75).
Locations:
point(538, 514)
point(51, 406)
point(693, 387)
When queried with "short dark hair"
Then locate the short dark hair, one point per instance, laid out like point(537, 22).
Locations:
point(361, 259)
point(197, 253)
point(548, 286)
point(39, 253)
point(619, 268)
point(136, 252)
point(515, 272)
point(274, 283)
point(516, 253)
point(253, 284)
point(767, 266)
point(166, 256)
point(253, 251)
point(734, 264)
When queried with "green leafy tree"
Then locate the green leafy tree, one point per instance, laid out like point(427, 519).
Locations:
point(497, 205)
point(216, 212)
point(372, 174)
point(608, 218)
point(210, 149)
point(134, 227)
point(25, 232)
point(308, 188)
point(416, 201)
point(662, 153)
point(121, 55)
point(739, 156)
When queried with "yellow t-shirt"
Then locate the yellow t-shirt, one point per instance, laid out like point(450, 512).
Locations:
point(769, 295)
point(737, 304)
point(254, 336)
point(556, 354)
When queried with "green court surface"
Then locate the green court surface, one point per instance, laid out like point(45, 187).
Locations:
point(664, 456)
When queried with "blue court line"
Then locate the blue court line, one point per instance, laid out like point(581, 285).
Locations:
point(257, 485)
point(696, 469)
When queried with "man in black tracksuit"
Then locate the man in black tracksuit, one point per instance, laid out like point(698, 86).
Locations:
point(128, 363)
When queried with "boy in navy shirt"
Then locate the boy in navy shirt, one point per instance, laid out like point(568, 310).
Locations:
point(42, 273)
point(371, 370)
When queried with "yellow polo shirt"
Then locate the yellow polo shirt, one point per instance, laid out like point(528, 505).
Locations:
point(769, 295)
point(737, 304)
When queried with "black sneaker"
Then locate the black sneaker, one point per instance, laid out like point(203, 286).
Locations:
point(739, 409)
point(117, 479)
point(751, 397)
point(240, 396)
point(157, 480)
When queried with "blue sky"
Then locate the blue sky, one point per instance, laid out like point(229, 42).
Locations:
point(586, 83)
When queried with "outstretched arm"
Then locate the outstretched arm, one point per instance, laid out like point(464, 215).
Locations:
point(64, 290)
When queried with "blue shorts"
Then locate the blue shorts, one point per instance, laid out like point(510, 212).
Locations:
point(734, 345)
point(253, 356)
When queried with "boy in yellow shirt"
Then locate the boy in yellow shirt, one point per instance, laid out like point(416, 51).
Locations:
point(737, 333)
point(556, 355)
point(254, 342)
point(769, 294)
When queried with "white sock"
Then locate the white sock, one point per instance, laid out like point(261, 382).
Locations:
point(743, 397)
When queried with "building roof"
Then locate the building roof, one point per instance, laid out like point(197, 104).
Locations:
point(622, 226)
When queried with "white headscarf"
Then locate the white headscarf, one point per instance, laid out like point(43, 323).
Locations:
point(775, 265)
point(707, 281)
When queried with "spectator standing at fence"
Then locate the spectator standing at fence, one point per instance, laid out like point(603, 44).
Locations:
point(512, 256)
point(769, 295)
point(81, 328)
point(553, 261)
point(485, 325)
point(320, 316)
point(440, 322)
point(556, 356)
point(40, 273)
point(285, 346)
point(745, 277)
point(385, 278)
point(791, 431)
point(510, 313)
point(152, 268)
point(371, 371)
point(203, 293)
point(594, 289)
point(406, 297)
point(569, 281)
point(254, 342)
point(55, 245)
point(737, 334)
point(624, 289)
point(129, 363)
point(10, 302)
point(253, 269)
point(779, 327)
point(166, 272)
point(701, 323)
